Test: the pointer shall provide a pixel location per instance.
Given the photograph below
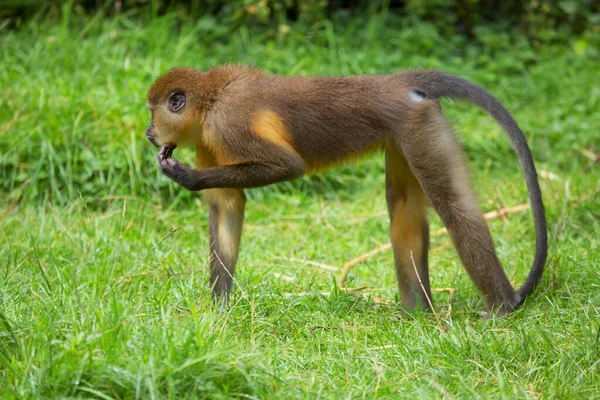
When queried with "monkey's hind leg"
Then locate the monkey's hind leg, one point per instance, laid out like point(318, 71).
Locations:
point(436, 158)
point(226, 217)
point(409, 230)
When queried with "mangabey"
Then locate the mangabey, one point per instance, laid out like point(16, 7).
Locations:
point(250, 128)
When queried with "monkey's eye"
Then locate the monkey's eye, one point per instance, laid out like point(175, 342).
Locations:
point(176, 101)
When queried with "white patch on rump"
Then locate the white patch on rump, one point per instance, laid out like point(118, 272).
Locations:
point(414, 96)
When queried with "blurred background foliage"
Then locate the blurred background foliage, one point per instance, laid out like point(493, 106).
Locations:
point(538, 20)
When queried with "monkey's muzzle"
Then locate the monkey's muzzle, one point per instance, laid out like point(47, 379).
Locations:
point(150, 135)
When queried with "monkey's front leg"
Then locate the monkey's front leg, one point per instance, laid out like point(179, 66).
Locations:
point(281, 167)
point(226, 217)
point(226, 201)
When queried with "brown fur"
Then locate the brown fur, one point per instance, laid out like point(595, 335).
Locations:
point(250, 128)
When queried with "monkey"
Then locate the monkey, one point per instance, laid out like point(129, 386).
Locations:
point(250, 128)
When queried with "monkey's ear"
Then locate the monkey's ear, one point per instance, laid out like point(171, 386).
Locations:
point(176, 101)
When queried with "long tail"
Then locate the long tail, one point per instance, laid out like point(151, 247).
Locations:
point(436, 84)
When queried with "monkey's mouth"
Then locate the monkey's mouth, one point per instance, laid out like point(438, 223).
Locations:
point(153, 140)
point(150, 135)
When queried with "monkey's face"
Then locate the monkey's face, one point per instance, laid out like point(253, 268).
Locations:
point(173, 121)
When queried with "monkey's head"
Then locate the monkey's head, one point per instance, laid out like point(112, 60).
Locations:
point(175, 100)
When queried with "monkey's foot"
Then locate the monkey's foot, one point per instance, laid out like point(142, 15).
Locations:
point(499, 312)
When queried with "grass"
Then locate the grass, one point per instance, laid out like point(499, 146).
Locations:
point(103, 262)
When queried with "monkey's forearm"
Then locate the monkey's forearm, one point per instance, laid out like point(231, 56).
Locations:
point(244, 175)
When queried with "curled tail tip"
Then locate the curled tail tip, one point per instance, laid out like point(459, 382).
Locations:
point(535, 275)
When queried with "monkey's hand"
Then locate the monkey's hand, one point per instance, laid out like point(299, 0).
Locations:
point(167, 150)
point(185, 176)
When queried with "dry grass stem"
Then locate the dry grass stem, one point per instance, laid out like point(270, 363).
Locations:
point(326, 267)
point(450, 298)
point(425, 291)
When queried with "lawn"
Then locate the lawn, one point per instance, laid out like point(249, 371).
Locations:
point(103, 262)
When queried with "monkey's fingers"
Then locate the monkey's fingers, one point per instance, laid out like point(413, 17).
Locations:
point(167, 151)
point(162, 154)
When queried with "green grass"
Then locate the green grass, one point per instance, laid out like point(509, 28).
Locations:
point(103, 262)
